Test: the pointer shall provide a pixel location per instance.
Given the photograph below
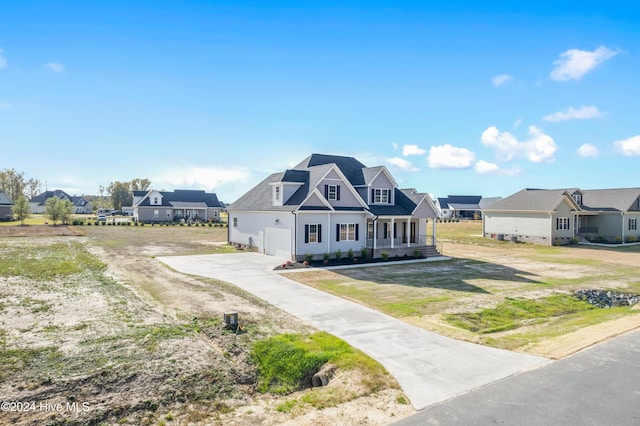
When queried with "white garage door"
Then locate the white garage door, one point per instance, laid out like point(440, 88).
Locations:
point(278, 242)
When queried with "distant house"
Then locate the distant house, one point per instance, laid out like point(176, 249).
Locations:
point(459, 206)
point(165, 206)
point(558, 216)
point(331, 203)
point(6, 206)
point(80, 204)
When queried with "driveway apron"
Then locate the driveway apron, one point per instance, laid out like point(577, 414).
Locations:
point(429, 367)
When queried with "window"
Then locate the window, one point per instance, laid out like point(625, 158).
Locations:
point(235, 222)
point(577, 198)
point(562, 223)
point(155, 200)
point(332, 192)
point(156, 213)
point(370, 231)
point(633, 224)
point(313, 233)
point(277, 193)
point(346, 232)
point(382, 196)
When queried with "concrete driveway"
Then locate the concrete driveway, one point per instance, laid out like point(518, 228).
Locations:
point(430, 368)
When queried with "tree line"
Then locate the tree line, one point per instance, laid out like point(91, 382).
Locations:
point(20, 190)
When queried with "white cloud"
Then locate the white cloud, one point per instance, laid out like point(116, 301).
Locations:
point(501, 80)
point(208, 178)
point(3, 61)
point(5, 105)
point(403, 164)
point(518, 123)
point(55, 67)
point(450, 157)
point(395, 145)
point(629, 147)
point(588, 150)
point(575, 63)
point(412, 150)
point(485, 168)
point(584, 113)
point(538, 148)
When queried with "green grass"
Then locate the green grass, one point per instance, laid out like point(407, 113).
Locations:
point(286, 362)
point(47, 261)
point(514, 313)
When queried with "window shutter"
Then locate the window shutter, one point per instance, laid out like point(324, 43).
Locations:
point(326, 192)
point(386, 225)
point(395, 230)
point(373, 196)
point(357, 232)
point(306, 233)
point(338, 192)
point(319, 233)
point(557, 223)
point(337, 232)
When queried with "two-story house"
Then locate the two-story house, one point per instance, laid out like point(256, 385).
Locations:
point(80, 204)
point(330, 203)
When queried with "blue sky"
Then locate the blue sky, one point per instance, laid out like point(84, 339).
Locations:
point(453, 98)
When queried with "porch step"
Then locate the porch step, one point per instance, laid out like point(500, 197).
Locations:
point(429, 251)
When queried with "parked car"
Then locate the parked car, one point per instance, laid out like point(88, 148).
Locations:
point(102, 218)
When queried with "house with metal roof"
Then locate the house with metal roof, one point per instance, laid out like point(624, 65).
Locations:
point(6, 206)
point(559, 216)
point(181, 204)
point(80, 204)
point(331, 203)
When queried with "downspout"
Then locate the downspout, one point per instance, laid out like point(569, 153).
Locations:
point(622, 220)
point(375, 236)
point(329, 232)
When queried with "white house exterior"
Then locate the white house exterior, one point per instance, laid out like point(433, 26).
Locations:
point(547, 217)
point(329, 203)
point(38, 203)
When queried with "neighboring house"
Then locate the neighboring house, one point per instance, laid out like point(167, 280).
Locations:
point(165, 206)
point(545, 216)
point(329, 203)
point(487, 202)
point(6, 206)
point(80, 204)
point(459, 206)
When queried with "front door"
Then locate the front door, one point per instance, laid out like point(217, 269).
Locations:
point(413, 233)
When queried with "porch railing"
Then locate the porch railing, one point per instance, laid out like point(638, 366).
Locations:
point(418, 241)
point(588, 230)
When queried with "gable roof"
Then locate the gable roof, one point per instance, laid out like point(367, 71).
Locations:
point(351, 168)
point(621, 199)
point(533, 200)
point(5, 200)
point(182, 198)
point(460, 202)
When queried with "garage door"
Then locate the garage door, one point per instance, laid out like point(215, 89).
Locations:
point(278, 242)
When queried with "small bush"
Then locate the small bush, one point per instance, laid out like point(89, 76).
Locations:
point(384, 255)
point(326, 257)
point(308, 257)
point(338, 255)
point(364, 253)
point(417, 254)
point(350, 255)
point(631, 239)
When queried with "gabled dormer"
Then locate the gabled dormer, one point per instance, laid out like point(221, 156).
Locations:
point(155, 198)
point(276, 194)
point(286, 186)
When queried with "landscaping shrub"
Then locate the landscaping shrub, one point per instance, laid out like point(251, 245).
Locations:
point(384, 255)
point(308, 257)
point(631, 239)
point(350, 255)
point(364, 253)
point(338, 255)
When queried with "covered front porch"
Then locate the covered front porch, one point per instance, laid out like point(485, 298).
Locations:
point(399, 235)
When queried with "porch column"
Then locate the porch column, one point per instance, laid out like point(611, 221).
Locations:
point(434, 230)
point(407, 232)
point(391, 231)
point(375, 234)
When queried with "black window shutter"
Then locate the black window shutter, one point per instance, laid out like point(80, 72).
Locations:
point(319, 233)
point(326, 192)
point(357, 232)
point(373, 196)
point(385, 231)
point(337, 232)
point(557, 223)
point(338, 193)
point(395, 230)
point(306, 233)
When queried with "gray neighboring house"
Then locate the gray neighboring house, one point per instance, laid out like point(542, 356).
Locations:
point(459, 206)
point(80, 203)
point(166, 206)
point(558, 216)
point(329, 203)
point(6, 205)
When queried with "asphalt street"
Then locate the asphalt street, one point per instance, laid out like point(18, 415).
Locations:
point(597, 386)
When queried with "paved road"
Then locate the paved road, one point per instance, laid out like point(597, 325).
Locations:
point(598, 386)
point(430, 368)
